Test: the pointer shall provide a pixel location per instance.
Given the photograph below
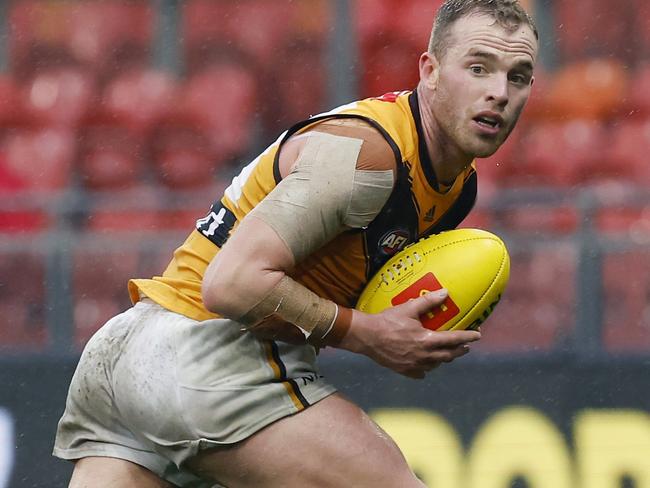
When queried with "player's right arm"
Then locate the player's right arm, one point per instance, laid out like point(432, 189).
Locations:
point(249, 281)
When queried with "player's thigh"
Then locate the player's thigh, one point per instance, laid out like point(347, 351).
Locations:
point(105, 472)
point(330, 444)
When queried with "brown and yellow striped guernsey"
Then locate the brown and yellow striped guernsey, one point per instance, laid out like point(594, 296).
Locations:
point(338, 271)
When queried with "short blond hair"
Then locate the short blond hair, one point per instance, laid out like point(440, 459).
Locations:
point(507, 13)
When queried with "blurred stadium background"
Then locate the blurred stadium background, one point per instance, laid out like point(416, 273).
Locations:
point(121, 121)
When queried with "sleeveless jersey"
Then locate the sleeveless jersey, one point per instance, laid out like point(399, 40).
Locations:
point(417, 207)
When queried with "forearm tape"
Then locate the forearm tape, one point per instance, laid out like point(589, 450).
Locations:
point(321, 321)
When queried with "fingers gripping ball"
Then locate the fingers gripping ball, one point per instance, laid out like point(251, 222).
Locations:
point(472, 264)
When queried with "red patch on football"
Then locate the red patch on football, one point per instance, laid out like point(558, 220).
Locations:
point(437, 317)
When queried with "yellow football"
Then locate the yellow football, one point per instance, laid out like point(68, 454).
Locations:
point(472, 264)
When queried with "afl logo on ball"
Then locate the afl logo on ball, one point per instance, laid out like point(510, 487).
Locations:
point(393, 241)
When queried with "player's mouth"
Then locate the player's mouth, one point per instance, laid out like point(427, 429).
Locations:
point(488, 123)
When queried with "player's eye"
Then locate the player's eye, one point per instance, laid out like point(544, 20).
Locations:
point(519, 79)
point(477, 69)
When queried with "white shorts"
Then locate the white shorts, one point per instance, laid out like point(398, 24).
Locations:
point(155, 387)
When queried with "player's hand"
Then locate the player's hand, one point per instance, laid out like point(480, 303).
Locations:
point(396, 339)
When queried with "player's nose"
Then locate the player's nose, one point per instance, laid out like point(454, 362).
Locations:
point(497, 89)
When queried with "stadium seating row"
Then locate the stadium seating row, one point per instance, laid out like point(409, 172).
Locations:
point(571, 152)
point(285, 40)
point(193, 128)
point(182, 151)
point(537, 312)
point(229, 90)
point(101, 32)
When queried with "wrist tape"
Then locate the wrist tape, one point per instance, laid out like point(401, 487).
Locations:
point(321, 321)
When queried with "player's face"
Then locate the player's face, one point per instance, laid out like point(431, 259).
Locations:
point(482, 84)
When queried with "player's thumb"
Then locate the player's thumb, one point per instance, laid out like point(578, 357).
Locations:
point(426, 302)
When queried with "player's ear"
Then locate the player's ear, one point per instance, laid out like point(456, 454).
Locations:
point(429, 70)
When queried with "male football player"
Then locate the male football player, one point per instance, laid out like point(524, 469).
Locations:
point(211, 376)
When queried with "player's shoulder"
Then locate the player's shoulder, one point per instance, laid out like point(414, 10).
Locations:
point(376, 153)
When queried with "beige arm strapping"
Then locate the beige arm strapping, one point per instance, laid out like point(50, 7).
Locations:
point(322, 196)
point(293, 303)
point(306, 208)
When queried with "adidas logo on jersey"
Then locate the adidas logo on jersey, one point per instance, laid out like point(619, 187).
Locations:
point(431, 213)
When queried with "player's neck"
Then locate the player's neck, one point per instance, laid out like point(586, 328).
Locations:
point(447, 159)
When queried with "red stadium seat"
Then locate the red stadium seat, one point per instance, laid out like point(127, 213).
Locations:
point(255, 27)
point(537, 107)
point(110, 153)
point(22, 221)
point(631, 222)
point(625, 157)
point(22, 301)
point(413, 19)
point(124, 220)
point(184, 220)
point(312, 19)
point(107, 27)
point(370, 18)
point(185, 167)
point(135, 210)
point(58, 96)
point(626, 306)
point(593, 28)
point(258, 26)
point(203, 21)
point(223, 98)
point(146, 209)
point(37, 159)
point(389, 65)
point(33, 26)
point(639, 102)
point(537, 311)
point(493, 172)
point(100, 276)
point(539, 219)
point(280, 44)
point(22, 325)
point(140, 97)
point(99, 281)
point(9, 108)
point(301, 65)
point(641, 10)
point(19, 174)
point(408, 21)
point(89, 314)
point(593, 89)
point(479, 218)
point(94, 32)
point(181, 153)
point(558, 153)
point(388, 55)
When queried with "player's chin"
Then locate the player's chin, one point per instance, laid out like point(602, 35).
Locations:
point(484, 148)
